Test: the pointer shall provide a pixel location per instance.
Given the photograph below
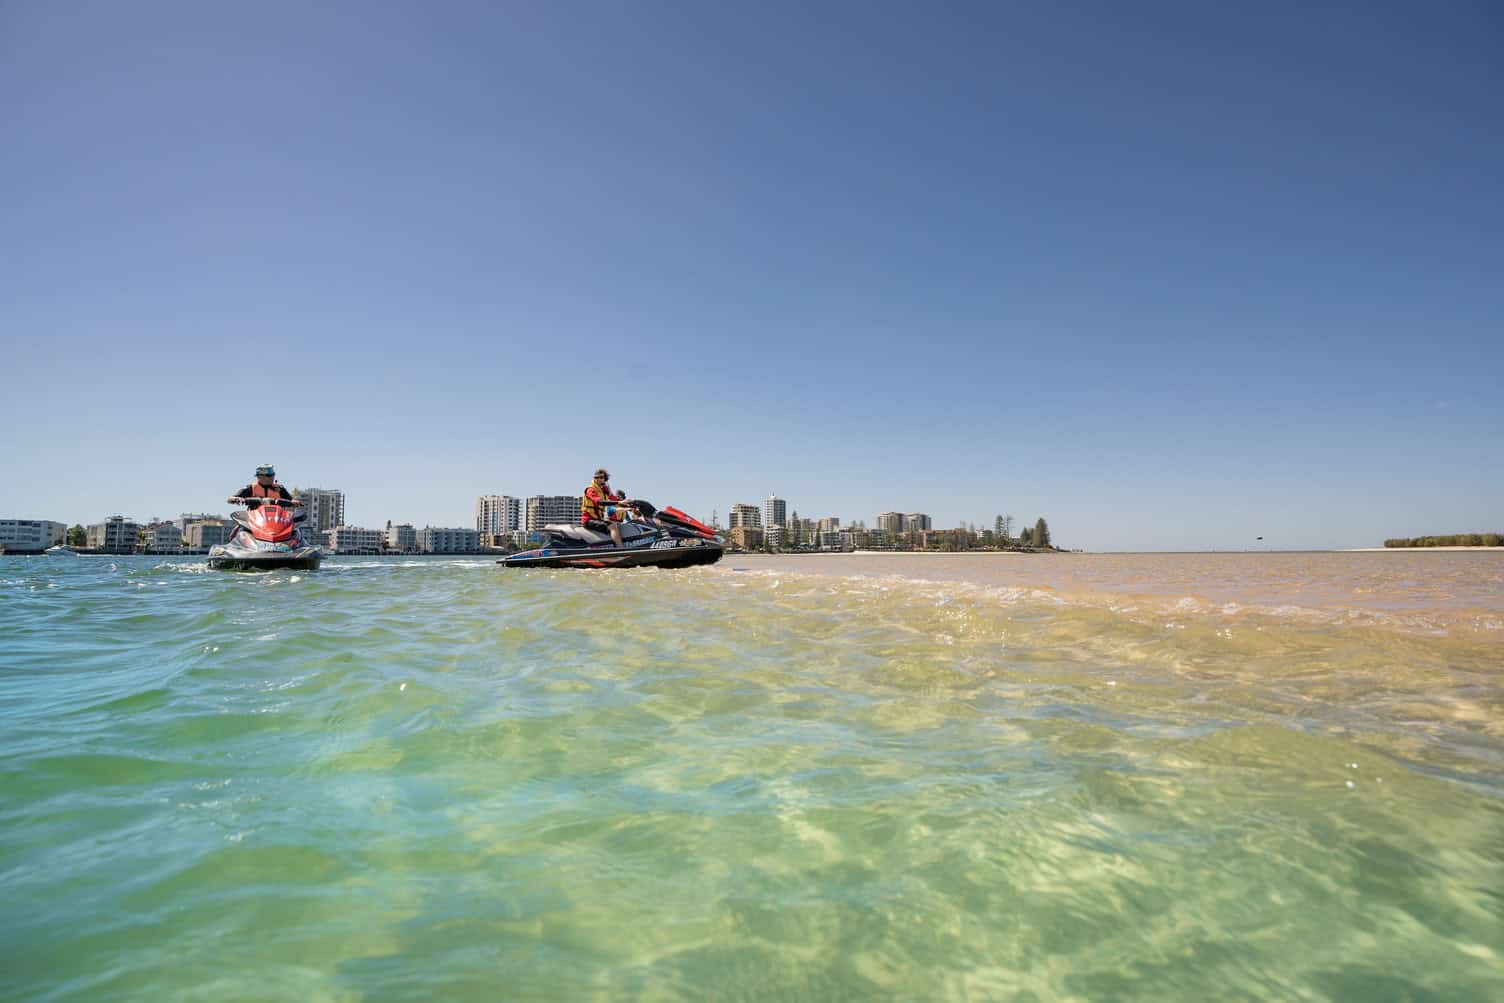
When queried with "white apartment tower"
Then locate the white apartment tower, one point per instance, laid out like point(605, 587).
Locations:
point(542, 510)
point(745, 516)
point(496, 514)
point(775, 512)
point(914, 522)
point(326, 509)
point(892, 522)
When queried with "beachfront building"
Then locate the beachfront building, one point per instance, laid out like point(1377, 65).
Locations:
point(774, 536)
point(545, 510)
point(30, 536)
point(775, 512)
point(916, 522)
point(871, 539)
point(746, 537)
point(947, 539)
point(182, 522)
point(892, 522)
point(744, 516)
point(829, 524)
point(325, 508)
point(401, 538)
point(354, 540)
point(205, 531)
point(836, 539)
point(161, 538)
point(116, 533)
point(434, 540)
point(496, 514)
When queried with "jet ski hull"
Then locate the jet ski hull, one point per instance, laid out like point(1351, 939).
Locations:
point(235, 559)
point(662, 554)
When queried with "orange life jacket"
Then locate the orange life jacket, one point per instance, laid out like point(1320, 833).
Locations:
point(595, 507)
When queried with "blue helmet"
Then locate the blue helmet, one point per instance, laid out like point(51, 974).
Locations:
point(266, 470)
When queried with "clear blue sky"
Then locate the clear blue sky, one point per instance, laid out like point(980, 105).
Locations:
point(1171, 275)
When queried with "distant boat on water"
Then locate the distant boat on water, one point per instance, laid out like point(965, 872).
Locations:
point(61, 550)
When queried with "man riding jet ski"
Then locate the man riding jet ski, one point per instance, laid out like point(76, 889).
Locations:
point(664, 538)
point(266, 537)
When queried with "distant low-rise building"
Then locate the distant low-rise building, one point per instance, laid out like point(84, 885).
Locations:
point(835, 539)
point(402, 538)
point(355, 540)
point(436, 540)
point(117, 533)
point(871, 539)
point(30, 536)
point(161, 538)
point(746, 537)
point(946, 539)
point(202, 533)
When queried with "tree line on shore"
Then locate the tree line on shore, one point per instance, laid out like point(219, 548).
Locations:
point(1455, 540)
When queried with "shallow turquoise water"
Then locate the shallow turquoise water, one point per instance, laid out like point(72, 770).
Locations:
point(444, 780)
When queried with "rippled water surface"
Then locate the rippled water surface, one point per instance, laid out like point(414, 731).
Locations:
point(1184, 778)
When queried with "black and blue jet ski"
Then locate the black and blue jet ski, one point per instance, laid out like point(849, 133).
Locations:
point(652, 537)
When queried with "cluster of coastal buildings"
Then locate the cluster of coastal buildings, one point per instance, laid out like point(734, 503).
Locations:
point(503, 522)
point(774, 527)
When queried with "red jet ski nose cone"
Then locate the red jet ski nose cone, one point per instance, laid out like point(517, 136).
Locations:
point(272, 523)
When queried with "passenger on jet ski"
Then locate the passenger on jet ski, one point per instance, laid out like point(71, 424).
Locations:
point(264, 486)
point(597, 509)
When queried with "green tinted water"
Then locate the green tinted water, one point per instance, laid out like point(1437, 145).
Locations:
point(445, 780)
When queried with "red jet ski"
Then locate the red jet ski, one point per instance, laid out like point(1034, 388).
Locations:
point(266, 538)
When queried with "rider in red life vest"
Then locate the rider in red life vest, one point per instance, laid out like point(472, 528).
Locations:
point(265, 486)
point(596, 510)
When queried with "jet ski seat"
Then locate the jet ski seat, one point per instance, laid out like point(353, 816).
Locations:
point(575, 531)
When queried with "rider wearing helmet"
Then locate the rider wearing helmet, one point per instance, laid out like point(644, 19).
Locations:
point(264, 487)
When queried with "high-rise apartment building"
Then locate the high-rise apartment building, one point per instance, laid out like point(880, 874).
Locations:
point(893, 522)
point(830, 524)
point(326, 509)
point(915, 522)
point(775, 512)
point(496, 514)
point(745, 516)
point(542, 510)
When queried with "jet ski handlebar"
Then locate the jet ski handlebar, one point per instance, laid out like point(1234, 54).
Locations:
point(287, 502)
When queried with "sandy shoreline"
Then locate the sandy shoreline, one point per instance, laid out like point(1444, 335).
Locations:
point(1320, 580)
